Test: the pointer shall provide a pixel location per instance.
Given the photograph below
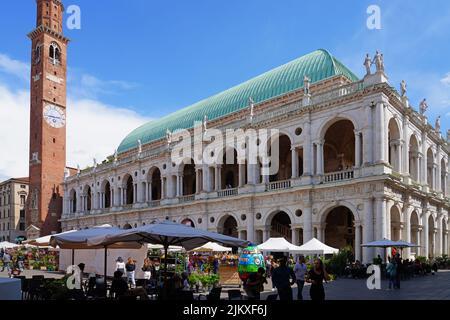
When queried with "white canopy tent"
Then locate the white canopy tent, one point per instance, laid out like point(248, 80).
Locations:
point(8, 245)
point(211, 247)
point(314, 246)
point(161, 247)
point(44, 241)
point(278, 245)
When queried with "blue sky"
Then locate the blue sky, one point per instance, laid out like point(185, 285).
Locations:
point(148, 58)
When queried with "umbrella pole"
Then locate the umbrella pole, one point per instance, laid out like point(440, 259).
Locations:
point(73, 257)
point(166, 284)
point(106, 267)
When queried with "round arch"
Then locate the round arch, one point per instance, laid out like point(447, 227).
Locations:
point(128, 185)
point(339, 147)
point(155, 183)
point(228, 225)
point(339, 222)
point(323, 128)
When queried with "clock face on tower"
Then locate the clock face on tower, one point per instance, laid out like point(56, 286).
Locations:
point(54, 116)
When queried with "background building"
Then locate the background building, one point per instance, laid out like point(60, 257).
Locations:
point(357, 164)
point(13, 195)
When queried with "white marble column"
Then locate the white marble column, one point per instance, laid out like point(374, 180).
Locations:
point(307, 148)
point(179, 185)
point(319, 155)
point(358, 242)
point(295, 236)
point(407, 229)
point(251, 227)
point(368, 230)
point(357, 149)
point(294, 161)
point(307, 224)
point(381, 223)
point(218, 178)
point(205, 178)
point(426, 242)
point(368, 144)
point(266, 178)
point(241, 175)
point(266, 233)
point(163, 188)
point(424, 180)
point(380, 141)
point(405, 149)
point(438, 238)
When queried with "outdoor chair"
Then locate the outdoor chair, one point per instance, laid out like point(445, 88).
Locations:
point(234, 295)
point(35, 289)
point(184, 295)
point(23, 286)
point(214, 295)
point(272, 297)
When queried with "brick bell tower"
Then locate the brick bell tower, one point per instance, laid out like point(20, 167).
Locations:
point(47, 119)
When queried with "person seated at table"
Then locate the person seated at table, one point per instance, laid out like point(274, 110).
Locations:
point(185, 282)
point(119, 285)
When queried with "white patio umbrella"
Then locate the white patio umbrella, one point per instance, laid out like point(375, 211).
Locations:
point(211, 247)
point(166, 233)
point(314, 246)
point(44, 241)
point(386, 243)
point(161, 247)
point(8, 245)
point(79, 240)
point(278, 245)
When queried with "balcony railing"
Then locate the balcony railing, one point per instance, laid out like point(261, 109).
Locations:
point(278, 185)
point(338, 176)
point(189, 198)
point(227, 192)
point(154, 203)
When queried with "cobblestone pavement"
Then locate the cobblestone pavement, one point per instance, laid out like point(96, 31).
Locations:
point(430, 287)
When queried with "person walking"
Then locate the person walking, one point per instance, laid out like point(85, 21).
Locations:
point(120, 265)
point(399, 269)
point(391, 273)
point(147, 269)
point(316, 276)
point(6, 262)
point(255, 284)
point(283, 278)
point(130, 267)
point(300, 270)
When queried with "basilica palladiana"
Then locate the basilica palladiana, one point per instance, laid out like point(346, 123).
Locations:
point(356, 162)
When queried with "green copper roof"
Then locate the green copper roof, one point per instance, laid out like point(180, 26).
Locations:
point(318, 65)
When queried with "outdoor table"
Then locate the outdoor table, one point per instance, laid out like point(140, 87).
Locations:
point(10, 289)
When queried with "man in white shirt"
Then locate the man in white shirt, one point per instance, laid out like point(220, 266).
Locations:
point(300, 270)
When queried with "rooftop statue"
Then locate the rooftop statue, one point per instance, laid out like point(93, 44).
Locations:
point(378, 61)
point(306, 85)
point(205, 123)
point(139, 146)
point(368, 64)
point(251, 104)
point(168, 137)
point(423, 107)
point(403, 88)
point(438, 124)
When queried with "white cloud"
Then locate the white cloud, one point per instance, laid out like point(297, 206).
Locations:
point(446, 79)
point(88, 86)
point(14, 67)
point(93, 130)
